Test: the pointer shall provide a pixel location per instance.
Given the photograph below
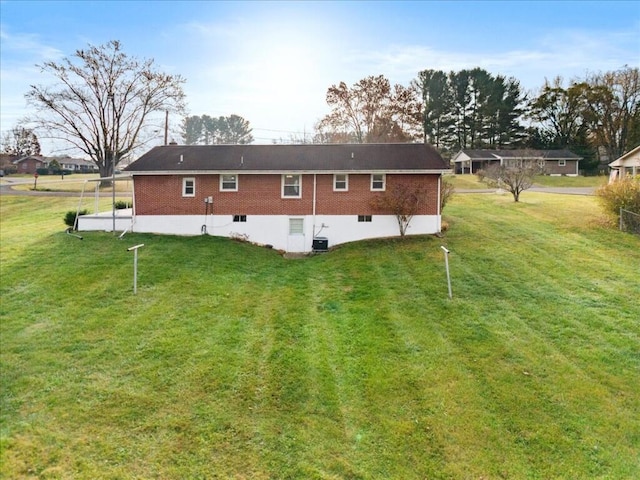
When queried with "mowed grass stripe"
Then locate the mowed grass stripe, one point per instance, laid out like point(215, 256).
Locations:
point(234, 362)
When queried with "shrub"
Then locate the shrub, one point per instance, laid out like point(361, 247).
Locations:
point(624, 193)
point(70, 217)
point(446, 193)
point(42, 171)
point(121, 205)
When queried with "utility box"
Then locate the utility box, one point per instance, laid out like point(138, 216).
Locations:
point(320, 244)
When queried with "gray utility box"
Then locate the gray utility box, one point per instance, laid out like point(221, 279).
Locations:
point(320, 244)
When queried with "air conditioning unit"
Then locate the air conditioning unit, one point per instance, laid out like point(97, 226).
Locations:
point(320, 244)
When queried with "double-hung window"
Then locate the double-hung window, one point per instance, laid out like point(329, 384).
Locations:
point(291, 186)
point(340, 182)
point(229, 183)
point(378, 181)
point(189, 187)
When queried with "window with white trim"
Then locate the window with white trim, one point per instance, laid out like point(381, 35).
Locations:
point(239, 218)
point(340, 182)
point(378, 181)
point(189, 187)
point(364, 218)
point(229, 183)
point(291, 186)
point(562, 163)
point(296, 226)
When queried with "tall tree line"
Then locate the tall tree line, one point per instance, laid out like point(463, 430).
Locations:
point(470, 109)
point(597, 117)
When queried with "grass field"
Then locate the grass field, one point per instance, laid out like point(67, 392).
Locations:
point(233, 362)
point(76, 182)
point(471, 182)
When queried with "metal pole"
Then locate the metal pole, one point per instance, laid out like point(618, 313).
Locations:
point(446, 262)
point(113, 192)
point(135, 266)
point(135, 271)
point(111, 97)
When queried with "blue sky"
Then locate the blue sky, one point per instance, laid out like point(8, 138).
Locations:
point(272, 62)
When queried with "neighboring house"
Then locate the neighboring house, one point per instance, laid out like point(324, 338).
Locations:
point(555, 162)
point(627, 165)
point(282, 195)
point(77, 165)
point(29, 164)
point(6, 163)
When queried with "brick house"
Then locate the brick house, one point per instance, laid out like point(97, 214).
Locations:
point(282, 195)
point(30, 164)
point(555, 162)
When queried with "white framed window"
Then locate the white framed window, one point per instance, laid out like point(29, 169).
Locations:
point(239, 218)
point(378, 181)
point(291, 186)
point(296, 226)
point(562, 163)
point(229, 182)
point(340, 182)
point(364, 218)
point(189, 187)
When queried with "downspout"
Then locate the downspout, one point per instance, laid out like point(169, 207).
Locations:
point(439, 203)
point(313, 212)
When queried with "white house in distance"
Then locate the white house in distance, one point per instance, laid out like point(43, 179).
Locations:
point(627, 165)
point(555, 162)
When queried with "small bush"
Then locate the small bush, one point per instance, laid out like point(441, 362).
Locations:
point(446, 193)
point(121, 205)
point(624, 193)
point(42, 171)
point(70, 217)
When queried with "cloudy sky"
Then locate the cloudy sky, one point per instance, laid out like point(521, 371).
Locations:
point(272, 62)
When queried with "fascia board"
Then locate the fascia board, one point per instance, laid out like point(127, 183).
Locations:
point(281, 172)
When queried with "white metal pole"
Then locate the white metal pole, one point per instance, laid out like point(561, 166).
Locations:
point(135, 271)
point(446, 263)
point(135, 266)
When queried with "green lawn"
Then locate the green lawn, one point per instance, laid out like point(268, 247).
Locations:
point(233, 362)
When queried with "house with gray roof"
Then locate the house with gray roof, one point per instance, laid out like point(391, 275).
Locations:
point(286, 196)
point(554, 162)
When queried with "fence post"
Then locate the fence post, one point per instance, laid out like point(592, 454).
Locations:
point(620, 225)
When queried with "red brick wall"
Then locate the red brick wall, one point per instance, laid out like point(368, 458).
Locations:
point(261, 195)
point(29, 166)
point(553, 168)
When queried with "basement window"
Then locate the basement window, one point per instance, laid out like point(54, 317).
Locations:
point(296, 226)
point(364, 218)
point(239, 218)
point(188, 187)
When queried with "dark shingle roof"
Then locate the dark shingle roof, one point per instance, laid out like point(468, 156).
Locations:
point(291, 158)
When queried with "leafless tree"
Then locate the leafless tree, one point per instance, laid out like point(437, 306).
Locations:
point(514, 178)
point(371, 111)
point(102, 102)
point(402, 200)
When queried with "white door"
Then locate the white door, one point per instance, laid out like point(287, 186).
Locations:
point(295, 240)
